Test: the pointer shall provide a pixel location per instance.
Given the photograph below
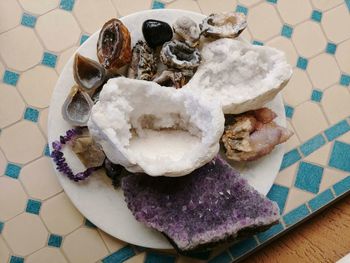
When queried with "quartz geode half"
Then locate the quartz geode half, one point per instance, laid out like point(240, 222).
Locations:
point(211, 205)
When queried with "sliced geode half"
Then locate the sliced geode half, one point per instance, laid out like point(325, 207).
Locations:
point(154, 129)
point(211, 205)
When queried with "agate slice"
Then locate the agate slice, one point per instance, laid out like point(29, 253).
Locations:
point(154, 129)
point(213, 204)
point(242, 76)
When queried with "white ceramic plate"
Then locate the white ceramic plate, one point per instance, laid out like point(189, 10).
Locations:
point(96, 198)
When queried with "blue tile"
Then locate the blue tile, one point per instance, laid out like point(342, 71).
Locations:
point(12, 170)
point(1, 226)
point(271, 232)
point(316, 95)
point(241, 9)
point(83, 39)
point(159, 258)
point(10, 78)
point(290, 158)
point(31, 114)
point(321, 200)
point(348, 4)
point(345, 80)
point(224, 257)
point(302, 63)
point(49, 59)
point(33, 206)
point(258, 43)
point(331, 48)
point(316, 16)
point(342, 187)
point(47, 150)
point(243, 247)
point(15, 259)
point(289, 111)
point(312, 145)
point(88, 223)
point(28, 20)
point(120, 255)
point(157, 5)
point(309, 177)
point(272, 1)
point(340, 156)
point(278, 194)
point(287, 31)
point(296, 215)
point(54, 241)
point(67, 5)
point(336, 130)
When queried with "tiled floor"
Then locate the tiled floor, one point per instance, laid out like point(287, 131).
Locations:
point(38, 223)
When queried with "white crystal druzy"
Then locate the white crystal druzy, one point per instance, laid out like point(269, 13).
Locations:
point(242, 76)
point(153, 129)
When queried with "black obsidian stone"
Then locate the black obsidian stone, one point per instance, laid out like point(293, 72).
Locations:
point(156, 32)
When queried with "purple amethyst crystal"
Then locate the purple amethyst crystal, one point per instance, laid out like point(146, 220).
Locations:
point(211, 205)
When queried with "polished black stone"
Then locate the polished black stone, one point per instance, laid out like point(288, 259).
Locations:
point(156, 32)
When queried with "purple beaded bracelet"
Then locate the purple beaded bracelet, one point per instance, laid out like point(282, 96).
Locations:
point(58, 157)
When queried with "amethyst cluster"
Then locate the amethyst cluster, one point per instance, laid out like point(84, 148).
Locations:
point(58, 157)
point(211, 205)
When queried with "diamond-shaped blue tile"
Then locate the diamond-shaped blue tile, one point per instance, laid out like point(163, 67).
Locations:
point(33, 206)
point(316, 16)
point(10, 77)
point(309, 177)
point(302, 63)
point(54, 241)
point(15, 259)
point(31, 114)
point(243, 247)
point(316, 95)
point(28, 20)
point(340, 156)
point(290, 158)
point(152, 257)
point(157, 5)
point(336, 130)
point(83, 39)
point(278, 194)
point(67, 5)
point(258, 43)
point(321, 200)
point(289, 111)
point(1, 226)
point(272, 1)
point(312, 145)
point(241, 9)
point(47, 150)
point(348, 4)
point(331, 48)
point(271, 232)
point(296, 215)
point(120, 255)
point(12, 170)
point(223, 257)
point(345, 80)
point(287, 31)
point(88, 223)
point(49, 59)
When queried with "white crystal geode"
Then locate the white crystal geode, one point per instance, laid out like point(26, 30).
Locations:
point(242, 76)
point(153, 129)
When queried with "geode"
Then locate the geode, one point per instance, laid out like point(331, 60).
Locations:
point(213, 204)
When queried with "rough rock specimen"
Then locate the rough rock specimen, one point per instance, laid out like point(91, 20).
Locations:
point(242, 76)
point(154, 129)
point(211, 205)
